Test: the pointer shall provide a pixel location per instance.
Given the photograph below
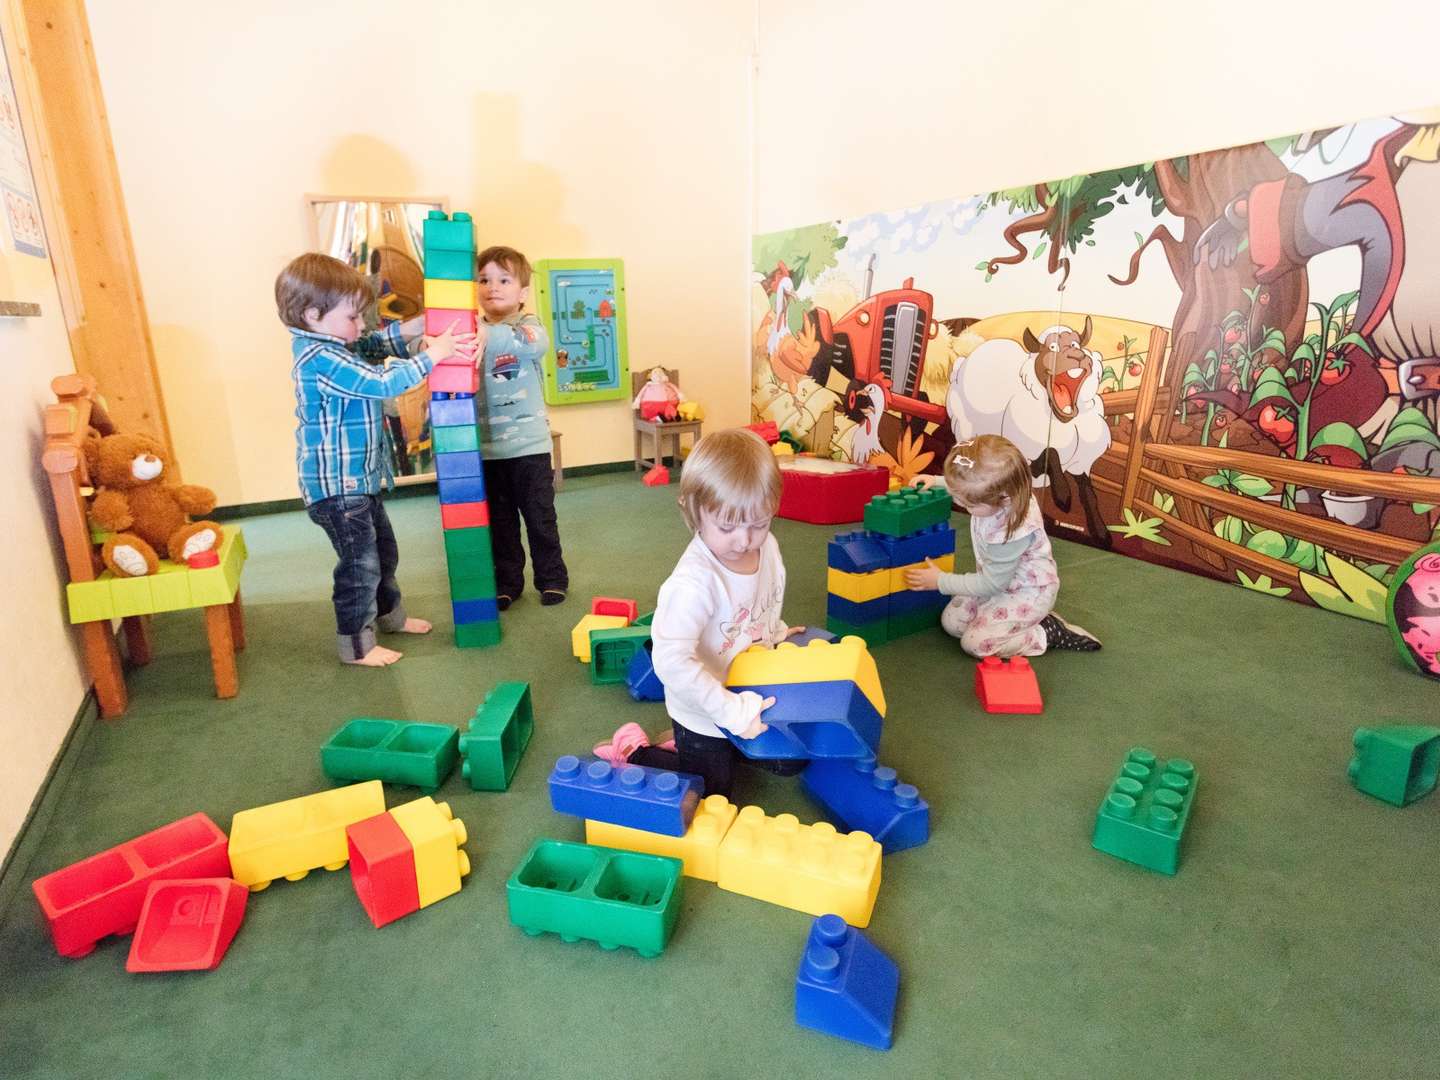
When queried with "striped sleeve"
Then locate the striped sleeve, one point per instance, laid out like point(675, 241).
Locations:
point(339, 374)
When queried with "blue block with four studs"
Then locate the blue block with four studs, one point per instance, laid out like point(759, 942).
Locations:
point(654, 800)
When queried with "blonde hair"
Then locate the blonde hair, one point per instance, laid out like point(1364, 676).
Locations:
point(732, 476)
point(318, 281)
point(987, 471)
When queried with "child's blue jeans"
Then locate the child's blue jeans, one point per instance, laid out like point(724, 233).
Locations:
point(366, 594)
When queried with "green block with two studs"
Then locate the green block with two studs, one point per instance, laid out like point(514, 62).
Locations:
point(1397, 764)
point(1142, 819)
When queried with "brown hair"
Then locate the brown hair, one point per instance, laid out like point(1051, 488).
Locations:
point(987, 471)
point(317, 281)
point(731, 475)
point(511, 260)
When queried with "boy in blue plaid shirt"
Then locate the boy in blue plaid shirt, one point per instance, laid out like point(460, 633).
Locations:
point(339, 443)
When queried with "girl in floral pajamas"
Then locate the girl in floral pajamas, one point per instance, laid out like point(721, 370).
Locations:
point(1004, 607)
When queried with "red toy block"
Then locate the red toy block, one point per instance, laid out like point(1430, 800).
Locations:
point(187, 924)
point(467, 515)
point(382, 868)
point(202, 560)
point(103, 894)
point(438, 320)
point(832, 497)
point(453, 379)
point(1007, 686)
point(609, 605)
point(767, 431)
point(656, 477)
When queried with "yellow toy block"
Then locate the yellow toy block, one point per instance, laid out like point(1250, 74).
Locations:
point(858, 587)
point(897, 575)
point(131, 596)
point(689, 410)
point(810, 868)
point(698, 850)
point(580, 636)
point(174, 588)
point(782, 449)
point(817, 661)
point(170, 588)
point(289, 839)
point(90, 601)
point(454, 295)
point(435, 834)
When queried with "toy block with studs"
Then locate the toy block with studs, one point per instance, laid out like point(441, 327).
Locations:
point(907, 511)
point(453, 378)
point(382, 869)
point(846, 986)
point(861, 795)
point(446, 411)
point(105, 893)
point(448, 232)
point(613, 897)
point(1143, 816)
point(1397, 764)
point(613, 605)
point(698, 850)
point(289, 839)
point(810, 868)
point(580, 634)
point(641, 680)
point(498, 735)
point(857, 553)
point(436, 837)
point(187, 924)
point(634, 795)
point(1007, 686)
point(658, 476)
point(827, 493)
point(393, 751)
point(612, 651)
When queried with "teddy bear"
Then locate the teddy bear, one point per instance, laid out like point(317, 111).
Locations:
point(136, 501)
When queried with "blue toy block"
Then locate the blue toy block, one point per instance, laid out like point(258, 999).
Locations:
point(845, 985)
point(457, 466)
point(469, 611)
point(813, 633)
point(860, 796)
point(928, 543)
point(641, 680)
point(452, 412)
point(908, 601)
point(462, 489)
point(831, 719)
point(858, 613)
point(858, 553)
point(650, 799)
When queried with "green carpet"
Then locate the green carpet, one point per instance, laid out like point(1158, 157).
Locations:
point(1299, 939)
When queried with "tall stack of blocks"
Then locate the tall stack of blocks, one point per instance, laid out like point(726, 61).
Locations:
point(450, 300)
point(866, 578)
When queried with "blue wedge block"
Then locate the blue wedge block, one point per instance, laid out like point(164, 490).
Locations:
point(846, 986)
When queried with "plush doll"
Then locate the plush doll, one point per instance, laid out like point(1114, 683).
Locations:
point(657, 398)
point(136, 501)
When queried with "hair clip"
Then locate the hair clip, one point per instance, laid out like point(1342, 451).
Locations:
point(962, 461)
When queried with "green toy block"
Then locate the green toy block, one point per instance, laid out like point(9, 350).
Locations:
point(612, 650)
point(455, 440)
point(644, 620)
point(448, 233)
point(170, 588)
point(1398, 764)
point(1142, 819)
point(90, 601)
point(477, 635)
point(912, 622)
point(473, 581)
point(613, 897)
point(874, 633)
point(465, 547)
point(132, 596)
point(442, 264)
point(497, 737)
point(908, 510)
point(421, 755)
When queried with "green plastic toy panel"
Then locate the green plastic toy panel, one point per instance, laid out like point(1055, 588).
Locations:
point(583, 306)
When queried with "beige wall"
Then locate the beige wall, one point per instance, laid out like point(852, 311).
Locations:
point(567, 128)
point(41, 685)
point(863, 108)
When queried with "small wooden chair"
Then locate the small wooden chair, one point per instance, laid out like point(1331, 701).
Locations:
point(658, 430)
point(96, 597)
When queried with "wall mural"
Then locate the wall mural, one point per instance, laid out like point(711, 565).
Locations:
point(1227, 362)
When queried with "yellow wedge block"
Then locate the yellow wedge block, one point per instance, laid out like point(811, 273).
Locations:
point(817, 661)
point(436, 835)
point(897, 575)
point(454, 295)
point(698, 850)
point(858, 587)
point(810, 868)
point(580, 636)
point(289, 839)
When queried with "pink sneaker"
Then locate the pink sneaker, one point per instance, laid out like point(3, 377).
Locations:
point(627, 739)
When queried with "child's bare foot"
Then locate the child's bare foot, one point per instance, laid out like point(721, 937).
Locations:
point(414, 626)
point(379, 656)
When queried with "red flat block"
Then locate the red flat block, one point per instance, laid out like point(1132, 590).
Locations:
point(767, 431)
point(829, 498)
point(187, 924)
point(103, 894)
point(382, 869)
point(464, 515)
point(658, 476)
point(610, 605)
point(438, 320)
point(453, 379)
point(1007, 686)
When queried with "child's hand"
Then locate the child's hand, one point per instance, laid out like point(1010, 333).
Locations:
point(926, 481)
point(794, 631)
point(757, 726)
point(444, 346)
point(924, 580)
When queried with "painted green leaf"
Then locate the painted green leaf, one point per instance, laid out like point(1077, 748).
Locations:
point(1353, 592)
point(1254, 486)
point(1340, 433)
point(1231, 528)
point(1261, 584)
point(1267, 542)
